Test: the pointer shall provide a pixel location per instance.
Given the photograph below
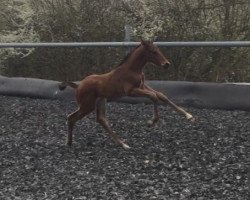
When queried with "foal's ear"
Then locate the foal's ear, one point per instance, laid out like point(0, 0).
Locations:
point(145, 42)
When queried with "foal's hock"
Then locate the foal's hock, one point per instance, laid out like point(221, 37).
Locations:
point(125, 80)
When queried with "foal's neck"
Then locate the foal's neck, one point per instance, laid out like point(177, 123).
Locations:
point(136, 61)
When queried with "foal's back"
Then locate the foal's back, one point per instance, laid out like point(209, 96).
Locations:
point(106, 85)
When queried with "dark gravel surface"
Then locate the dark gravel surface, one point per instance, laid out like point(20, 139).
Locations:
point(174, 160)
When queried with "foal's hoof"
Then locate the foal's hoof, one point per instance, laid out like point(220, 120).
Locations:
point(125, 146)
point(190, 117)
point(150, 123)
point(68, 143)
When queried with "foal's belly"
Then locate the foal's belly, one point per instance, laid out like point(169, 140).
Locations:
point(111, 86)
point(111, 91)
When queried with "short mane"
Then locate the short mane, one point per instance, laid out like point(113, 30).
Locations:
point(128, 55)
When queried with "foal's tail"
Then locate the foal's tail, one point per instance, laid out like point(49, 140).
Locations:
point(63, 85)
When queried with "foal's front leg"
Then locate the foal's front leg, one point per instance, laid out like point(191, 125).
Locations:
point(101, 118)
point(166, 100)
point(144, 92)
point(155, 96)
point(155, 117)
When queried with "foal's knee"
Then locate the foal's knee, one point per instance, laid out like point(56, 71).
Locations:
point(153, 97)
point(160, 95)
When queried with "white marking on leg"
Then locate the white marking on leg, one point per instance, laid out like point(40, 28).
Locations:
point(125, 146)
point(189, 116)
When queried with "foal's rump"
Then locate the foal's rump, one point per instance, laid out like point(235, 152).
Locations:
point(87, 92)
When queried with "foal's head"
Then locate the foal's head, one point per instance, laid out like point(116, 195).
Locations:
point(153, 54)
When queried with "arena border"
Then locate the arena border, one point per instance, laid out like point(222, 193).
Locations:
point(226, 96)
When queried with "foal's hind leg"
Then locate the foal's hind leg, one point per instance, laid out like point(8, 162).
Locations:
point(74, 117)
point(101, 118)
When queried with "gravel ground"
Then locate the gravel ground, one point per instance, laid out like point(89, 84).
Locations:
point(174, 160)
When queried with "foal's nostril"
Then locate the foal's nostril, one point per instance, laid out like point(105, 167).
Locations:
point(166, 64)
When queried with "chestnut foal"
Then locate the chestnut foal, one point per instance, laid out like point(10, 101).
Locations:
point(126, 80)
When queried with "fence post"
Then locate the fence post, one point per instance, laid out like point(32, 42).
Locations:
point(128, 36)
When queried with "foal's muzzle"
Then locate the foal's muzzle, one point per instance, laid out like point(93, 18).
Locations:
point(166, 64)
